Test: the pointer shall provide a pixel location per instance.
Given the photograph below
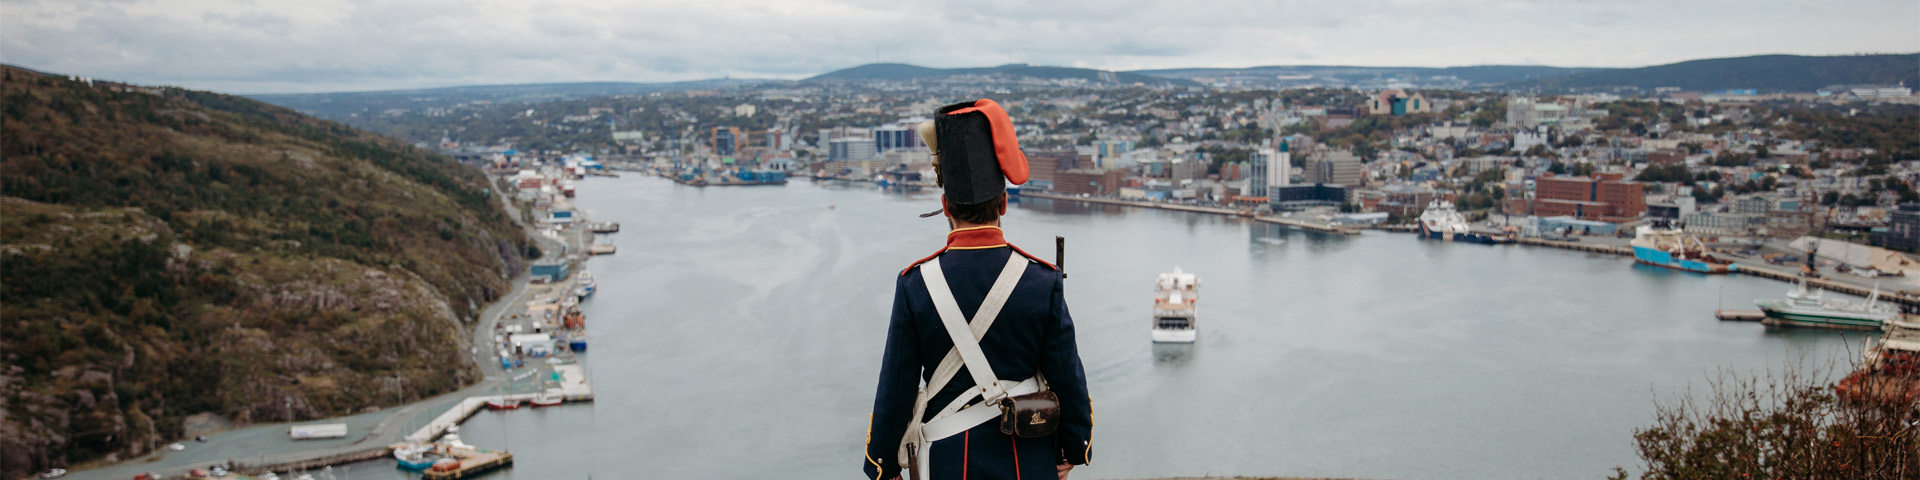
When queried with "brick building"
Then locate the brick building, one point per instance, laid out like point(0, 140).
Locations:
point(1667, 156)
point(1087, 180)
point(1607, 197)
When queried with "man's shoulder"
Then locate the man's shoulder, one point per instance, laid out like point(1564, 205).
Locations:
point(913, 268)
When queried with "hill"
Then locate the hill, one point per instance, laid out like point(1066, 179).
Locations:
point(901, 71)
point(342, 106)
point(1767, 73)
point(166, 252)
point(1334, 75)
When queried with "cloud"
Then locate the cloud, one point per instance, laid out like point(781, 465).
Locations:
point(321, 45)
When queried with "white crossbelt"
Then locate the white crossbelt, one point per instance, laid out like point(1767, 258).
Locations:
point(966, 336)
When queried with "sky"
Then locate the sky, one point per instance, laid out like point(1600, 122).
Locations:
point(289, 46)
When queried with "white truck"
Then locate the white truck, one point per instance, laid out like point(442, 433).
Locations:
point(317, 431)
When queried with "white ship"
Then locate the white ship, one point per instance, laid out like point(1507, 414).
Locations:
point(1441, 221)
point(1174, 312)
point(1804, 308)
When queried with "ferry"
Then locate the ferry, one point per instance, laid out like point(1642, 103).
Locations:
point(1174, 312)
point(1441, 221)
point(1889, 369)
point(1673, 248)
point(1804, 308)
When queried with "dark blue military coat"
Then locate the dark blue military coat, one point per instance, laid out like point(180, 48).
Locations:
point(1033, 334)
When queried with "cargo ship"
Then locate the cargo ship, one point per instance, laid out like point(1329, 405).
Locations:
point(1673, 248)
point(1441, 221)
point(1889, 371)
point(1174, 313)
point(1806, 308)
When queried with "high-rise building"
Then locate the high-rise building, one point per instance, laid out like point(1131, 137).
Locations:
point(1280, 170)
point(727, 140)
point(851, 149)
point(894, 137)
point(1270, 168)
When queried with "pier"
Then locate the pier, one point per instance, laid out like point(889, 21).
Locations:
point(311, 463)
point(1584, 247)
point(604, 227)
point(473, 461)
point(1739, 315)
point(1314, 226)
point(600, 249)
point(1906, 299)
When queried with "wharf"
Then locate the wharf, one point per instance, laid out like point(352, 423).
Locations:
point(604, 227)
point(1141, 204)
point(600, 249)
point(311, 463)
point(1904, 298)
point(473, 461)
point(1314, 226)
point(1584, 247)
point(1739, 315)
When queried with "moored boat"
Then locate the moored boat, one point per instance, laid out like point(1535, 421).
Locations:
point(412, 458)
point(1807, 308)
point(1441, 221)
point(1174, 312)
point(545, 400)
point(1673, 248)
point(502, 404)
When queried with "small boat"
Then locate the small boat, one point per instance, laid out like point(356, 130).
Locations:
point(586, 284)
point(502, 404)
point(1673, 248)
point(1174, 313)
point(1889, 371)
point(412, 458)
point(577, 342)
point(1805, 308)
point(545, 400)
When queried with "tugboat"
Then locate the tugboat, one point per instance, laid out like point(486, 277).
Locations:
point(1441, 221)
point(1673, 248)
point(1804, 308)
point(1174, 312)
point(1889, 371)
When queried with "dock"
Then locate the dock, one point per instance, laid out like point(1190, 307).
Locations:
point(473, 461)
point(600, 249)
point(1737, 315)
point(1313, 226)
point(1584, 247)
point(1905, 299)
point(604, 227)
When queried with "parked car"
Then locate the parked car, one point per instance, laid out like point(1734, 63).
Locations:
point(197, 473)
point(176, 447)
point(147, 476)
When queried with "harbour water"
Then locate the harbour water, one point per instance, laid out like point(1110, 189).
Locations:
point(738, 332)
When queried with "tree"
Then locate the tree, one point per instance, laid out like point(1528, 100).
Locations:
point(1557, 168)
point(1778, 425)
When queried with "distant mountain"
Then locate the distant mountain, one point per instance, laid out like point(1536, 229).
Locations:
point(341, 105)
point(1767, 73)
point(1353, 75)
point(901, 71)
point(171, 252)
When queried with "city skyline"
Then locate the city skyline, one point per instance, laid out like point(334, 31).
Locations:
point(241, 46)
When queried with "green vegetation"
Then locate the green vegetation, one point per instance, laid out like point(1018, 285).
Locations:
point(1768, 73)
point(170, 252)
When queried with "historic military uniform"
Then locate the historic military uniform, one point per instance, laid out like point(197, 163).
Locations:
point(1029, 342)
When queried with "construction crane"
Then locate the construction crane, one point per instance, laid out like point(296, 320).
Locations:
point(1808, 270)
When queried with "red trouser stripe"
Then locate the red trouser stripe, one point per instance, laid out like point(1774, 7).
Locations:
point(1016, 456)
point(966, 454)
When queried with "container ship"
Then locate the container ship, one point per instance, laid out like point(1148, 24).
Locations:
point(1174, 312)
point(1441, 221)
point(1805, 308)
point(1673, 248)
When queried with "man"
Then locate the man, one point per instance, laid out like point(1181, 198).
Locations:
point(1030, 338)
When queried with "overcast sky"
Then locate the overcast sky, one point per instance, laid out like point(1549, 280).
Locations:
point(265, 46)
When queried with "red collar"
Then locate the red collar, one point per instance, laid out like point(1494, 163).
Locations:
point(972, 238)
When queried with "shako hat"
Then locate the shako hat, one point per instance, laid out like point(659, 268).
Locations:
point(975, 151)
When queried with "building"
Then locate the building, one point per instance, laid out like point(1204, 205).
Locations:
point(1523, 112)
point(896, 137)
point(745, 110)
point(1043, 167)
point(1903, 229)
point(1397, 103)
point(1296, 197)
point(1667, 156)
point(1609, 197)
point(1188, 168)
point(1728, 224)
point(1091, 181)
point(1270, 167)
point(1753, 205)
point(851, 149)
point(727, 141)
point(1338, 168)
point(1866, 91)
